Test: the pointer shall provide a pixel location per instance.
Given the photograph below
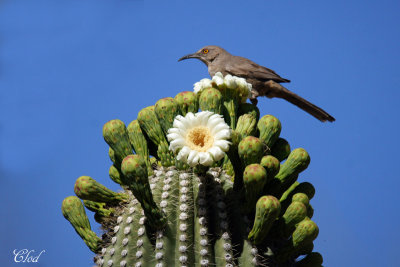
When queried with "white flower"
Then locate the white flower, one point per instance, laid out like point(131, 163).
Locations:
point(200, 138)
point(202, 84)
point(230, 81)
point(233, 83)
point(218, 79)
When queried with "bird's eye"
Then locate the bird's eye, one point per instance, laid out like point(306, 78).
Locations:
point(205, 51)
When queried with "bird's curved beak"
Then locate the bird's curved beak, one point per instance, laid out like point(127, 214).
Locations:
point(195, 55)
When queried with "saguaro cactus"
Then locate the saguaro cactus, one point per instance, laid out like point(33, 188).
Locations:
point(202, 188)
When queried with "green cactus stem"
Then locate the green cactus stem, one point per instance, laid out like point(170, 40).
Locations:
point(101, 209)
point(135, 177)
point(74, 212)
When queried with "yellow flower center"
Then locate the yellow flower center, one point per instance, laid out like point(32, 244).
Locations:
point(199, 138)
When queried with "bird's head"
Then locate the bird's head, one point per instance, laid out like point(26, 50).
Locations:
point(206, 54)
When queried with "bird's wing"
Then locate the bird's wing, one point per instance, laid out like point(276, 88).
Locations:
point(243, 67)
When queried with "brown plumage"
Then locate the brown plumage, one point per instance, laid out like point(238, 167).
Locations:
point(265, 81)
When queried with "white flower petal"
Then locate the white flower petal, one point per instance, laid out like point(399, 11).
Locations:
point(218, 80)
point(204, 117)
point(216, 153)
point(223, 144)
point(224, 134)
point(194, 160)
point(202, 84)
point(206, 159)
point(230, 82)
point(219, 74)
point(192, 155)
point(214, 121)
point(219, 127)
point(178, 124)
point(189, 118)
point(183, 154)
point(176, 143)
point(172, 136)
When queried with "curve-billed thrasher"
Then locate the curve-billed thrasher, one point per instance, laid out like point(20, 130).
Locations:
point(265, 81)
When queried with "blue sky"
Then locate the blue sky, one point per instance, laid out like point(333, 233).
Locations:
point(67, 67)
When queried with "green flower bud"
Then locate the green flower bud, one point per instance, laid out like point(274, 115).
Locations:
point(115, 175)
point(271, 164)
point(297, 162)
point(246, 125)
point(187, 102)
point(166, 110)
point(254, 179)
point(251, 150)
point(89, 189)
point(267, 210)
point(295, 213)
point(270, 128)
point(306, 232)
point(149, 123)
point(211, 100)
point(74, 212)
point(116, 136)
point(139, 143)
point(247, 108)
point(301, 197)
point(111, 154)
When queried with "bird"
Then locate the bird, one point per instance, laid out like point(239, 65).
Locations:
point(264, 81)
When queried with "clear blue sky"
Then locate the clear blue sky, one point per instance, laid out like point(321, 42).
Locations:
point(67, 67)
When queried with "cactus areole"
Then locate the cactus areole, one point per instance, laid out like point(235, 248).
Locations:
point(216, 187)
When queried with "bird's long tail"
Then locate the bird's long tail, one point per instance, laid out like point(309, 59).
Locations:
point(281, 92)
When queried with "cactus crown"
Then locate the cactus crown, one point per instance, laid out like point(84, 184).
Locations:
point(203, 188)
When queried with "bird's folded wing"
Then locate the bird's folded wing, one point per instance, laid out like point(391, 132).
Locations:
point(245, 68)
